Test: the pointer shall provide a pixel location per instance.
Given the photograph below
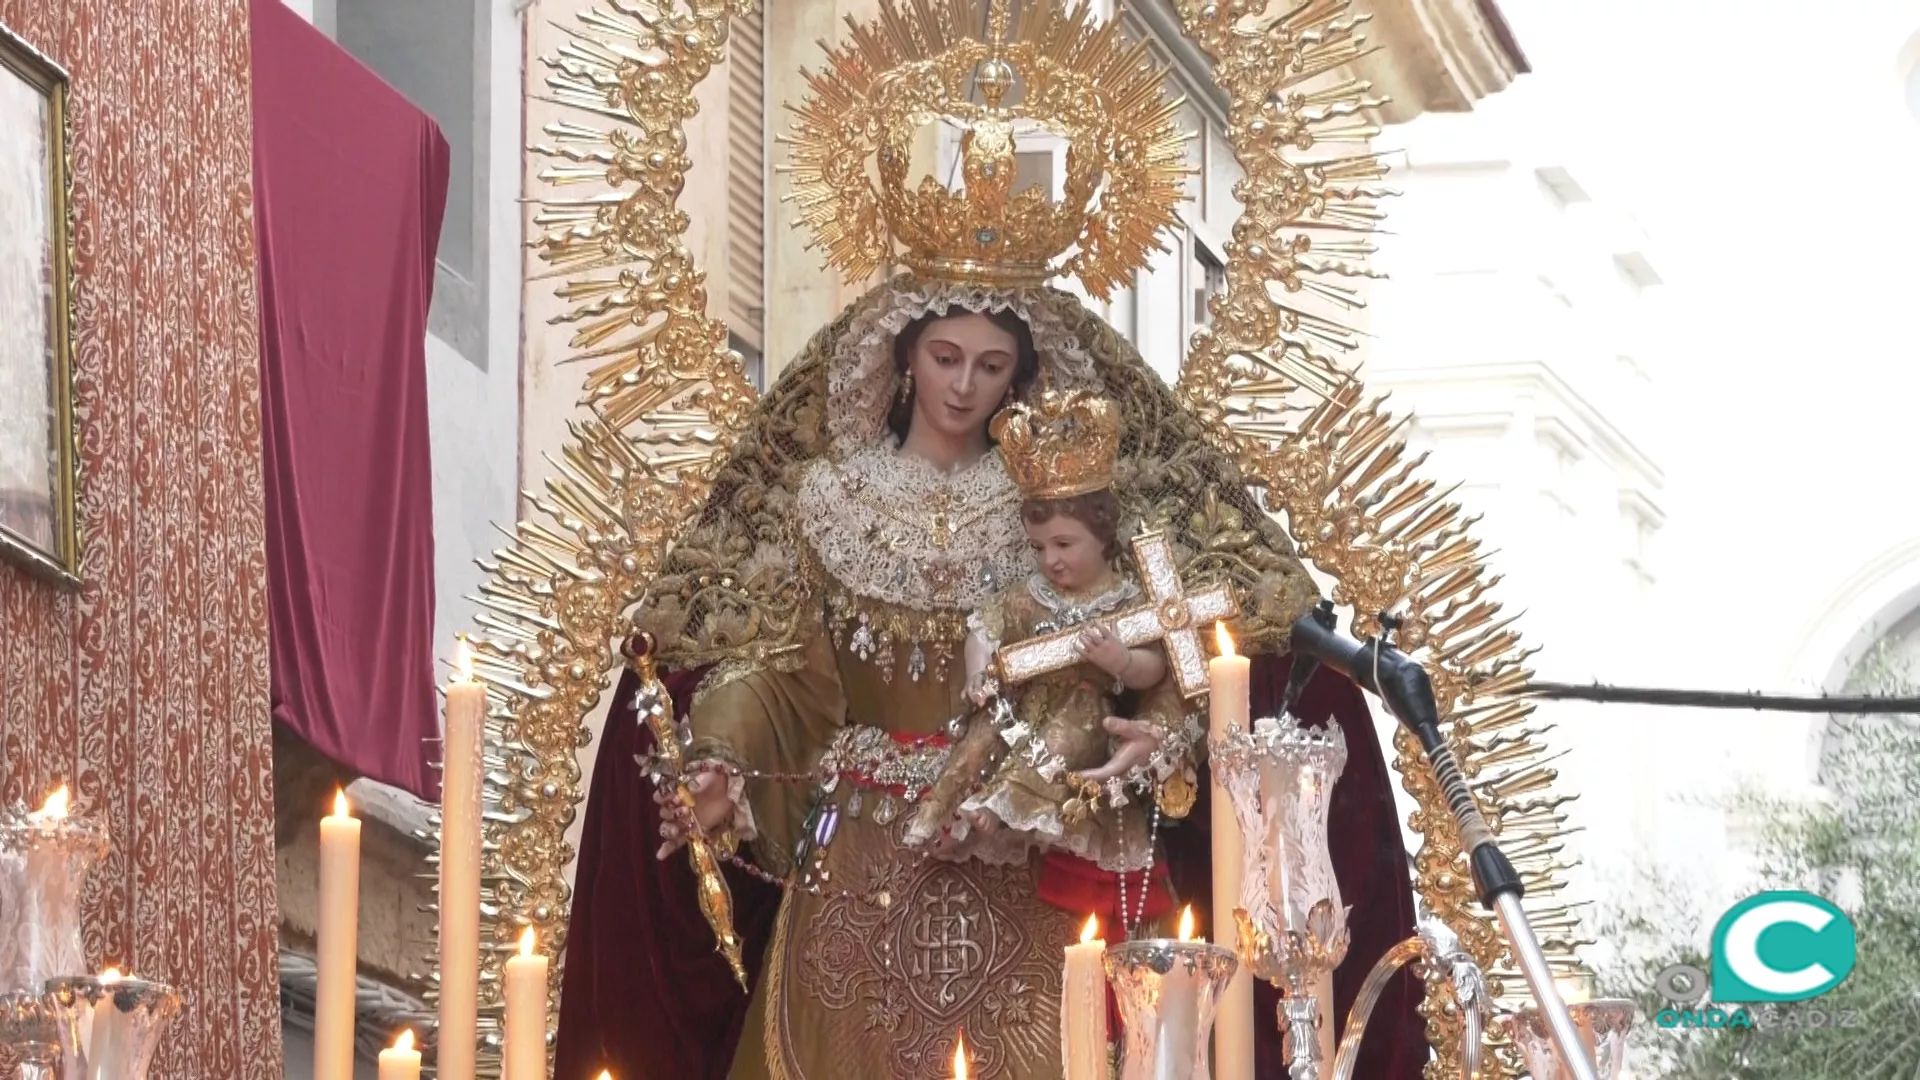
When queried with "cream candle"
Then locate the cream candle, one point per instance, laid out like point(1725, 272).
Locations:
point(110, 1044)
point(400, 1061)
point(526, 1023)
point(1083, 1007)
point(338, 945)
point(1179, 1013)
point(1228, 706)
point(460, 871)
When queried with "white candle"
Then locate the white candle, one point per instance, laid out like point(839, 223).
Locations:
point(339, 943)
point(526, 1026)
point(1083, 1008)
point(1228, 676)
point(109, 1041)
point(400, 1061)
point(48, 909)
point(1174, 1052)
point(460, 871)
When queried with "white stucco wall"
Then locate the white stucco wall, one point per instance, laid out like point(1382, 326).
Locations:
point(475, 414)
point(1724, 508)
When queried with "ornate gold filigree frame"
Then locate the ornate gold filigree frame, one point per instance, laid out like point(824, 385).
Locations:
point(664, 398)
point(61, 563)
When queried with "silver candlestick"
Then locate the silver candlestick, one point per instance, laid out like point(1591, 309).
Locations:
point(1167, 991)
point(28, 1028)
point(109, 1027)
point(45, 855)
point(1293, 927)
point(1601, 1024)
point(1438, 949)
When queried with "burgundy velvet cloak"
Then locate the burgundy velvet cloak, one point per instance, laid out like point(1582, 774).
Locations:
point(644, 993)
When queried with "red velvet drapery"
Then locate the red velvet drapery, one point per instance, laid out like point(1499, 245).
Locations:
point(350, 180)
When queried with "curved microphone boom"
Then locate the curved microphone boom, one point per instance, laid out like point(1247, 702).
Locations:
point(1402, 684)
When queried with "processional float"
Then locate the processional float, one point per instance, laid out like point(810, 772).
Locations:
point(664, 398)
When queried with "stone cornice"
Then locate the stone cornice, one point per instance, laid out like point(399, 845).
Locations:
point(1439, 55)
point(1555, 400)
point(1434, 55)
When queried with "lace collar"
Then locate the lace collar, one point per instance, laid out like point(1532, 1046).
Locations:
point(890, 527)
point(1073, 610)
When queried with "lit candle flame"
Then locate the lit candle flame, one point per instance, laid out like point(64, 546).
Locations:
point(605, 1074)
point(340, 807)
point(1223, 640)
point(960, 1056)
point(1186, 923)
point(1090, 931)
point(405, 1042)
point(111, 975)
point(526, 942)
point(56, 805)
point(462, 662)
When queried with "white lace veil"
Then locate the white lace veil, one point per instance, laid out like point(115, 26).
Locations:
point(862, 382)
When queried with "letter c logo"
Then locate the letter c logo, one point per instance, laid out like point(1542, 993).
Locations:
point(1781, 946)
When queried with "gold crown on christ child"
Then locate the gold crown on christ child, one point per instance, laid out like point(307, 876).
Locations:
point(925, 64)
point(1063, 448)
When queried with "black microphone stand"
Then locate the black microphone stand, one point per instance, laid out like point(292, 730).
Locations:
point(1402, 685)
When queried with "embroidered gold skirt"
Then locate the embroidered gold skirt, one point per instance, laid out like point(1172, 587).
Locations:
point(875, 974)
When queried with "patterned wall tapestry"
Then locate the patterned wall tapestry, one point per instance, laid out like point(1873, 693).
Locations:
point(149, 686)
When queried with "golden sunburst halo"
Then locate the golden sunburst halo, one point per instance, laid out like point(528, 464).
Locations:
point(1000, 78)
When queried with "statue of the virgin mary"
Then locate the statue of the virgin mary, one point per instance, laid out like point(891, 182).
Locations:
point(810, 623)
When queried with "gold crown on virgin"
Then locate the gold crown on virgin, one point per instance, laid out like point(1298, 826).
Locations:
point(1053, 74)
point(1063, 448)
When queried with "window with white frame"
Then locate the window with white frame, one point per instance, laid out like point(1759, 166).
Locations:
point(1207, 277)
point(1907, 69)
point(435, 53)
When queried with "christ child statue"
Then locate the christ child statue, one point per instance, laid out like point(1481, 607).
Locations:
point(1027, 770)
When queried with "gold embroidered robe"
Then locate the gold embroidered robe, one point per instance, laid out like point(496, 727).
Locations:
point(873, 975)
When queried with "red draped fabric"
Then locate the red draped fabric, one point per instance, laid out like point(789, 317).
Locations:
point(350, 180)
point(645, 995)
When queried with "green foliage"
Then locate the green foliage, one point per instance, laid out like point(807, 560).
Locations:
point(1865, 842)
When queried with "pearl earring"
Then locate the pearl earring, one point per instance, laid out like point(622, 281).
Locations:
point(906, 387)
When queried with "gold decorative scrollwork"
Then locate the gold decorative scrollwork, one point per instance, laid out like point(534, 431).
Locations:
point(664, 400)
point(1266, 377)
point(662, 394)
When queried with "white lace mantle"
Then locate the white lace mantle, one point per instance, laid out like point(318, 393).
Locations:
point(861, 381)
point(870, 521)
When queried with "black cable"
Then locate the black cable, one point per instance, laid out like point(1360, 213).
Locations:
point(1716, 699)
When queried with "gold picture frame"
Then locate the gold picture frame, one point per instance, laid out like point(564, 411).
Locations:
point(39, 444)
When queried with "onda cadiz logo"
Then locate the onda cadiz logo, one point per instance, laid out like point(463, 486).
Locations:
point(1770, 948)
point(1781, 946)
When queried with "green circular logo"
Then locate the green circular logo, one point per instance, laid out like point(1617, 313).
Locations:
point(1781, 946)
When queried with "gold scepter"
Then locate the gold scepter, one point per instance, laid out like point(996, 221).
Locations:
point(655, 707)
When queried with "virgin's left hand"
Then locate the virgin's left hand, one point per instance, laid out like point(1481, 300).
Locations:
point(1138, 741)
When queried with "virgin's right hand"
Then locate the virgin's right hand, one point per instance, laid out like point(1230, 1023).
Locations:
point(712, 808)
